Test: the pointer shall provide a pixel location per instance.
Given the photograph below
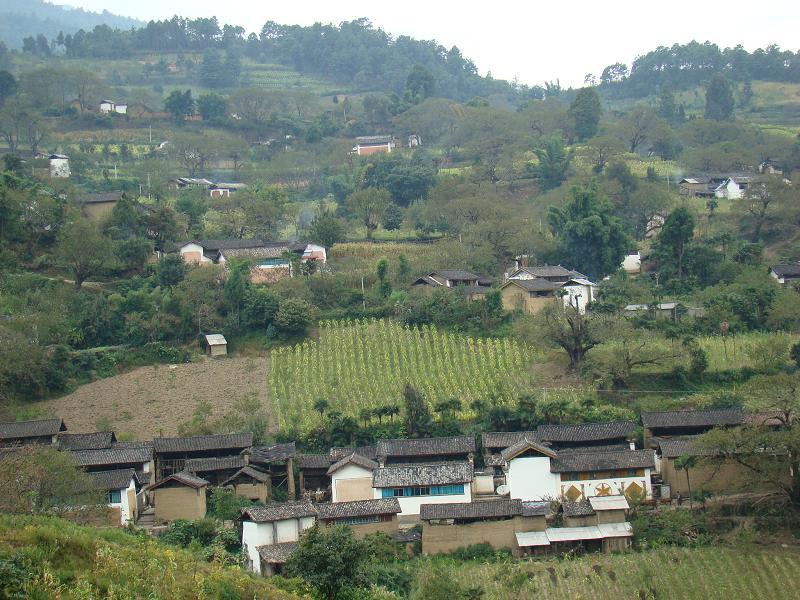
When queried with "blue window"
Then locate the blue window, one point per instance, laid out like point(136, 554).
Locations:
point(114, 497)
point(423, 490)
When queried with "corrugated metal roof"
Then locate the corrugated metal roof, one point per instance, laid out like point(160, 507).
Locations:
point(601, 503)
point(527, 539)
point(573, 534)
point(216, 339)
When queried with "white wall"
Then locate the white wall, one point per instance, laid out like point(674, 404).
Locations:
point(348, 472)
point(195, 248)
point(125, 509)
point(410, 505)
point(59, 167)
point(578, 295)
point(529, 478)
point(253, 536)
point(618, 485)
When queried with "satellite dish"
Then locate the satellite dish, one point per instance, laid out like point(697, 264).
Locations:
point(503, 490)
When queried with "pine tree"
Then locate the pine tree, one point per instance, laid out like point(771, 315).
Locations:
point(719, 99)
point(586, 111)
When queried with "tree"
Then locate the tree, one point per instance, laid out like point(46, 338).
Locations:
point(585, 110)
point(685, 463)
point(763, 202)
point(8, 86)
point(171, 270)
point(382, 270)
point(419, 84)
point(321, 406)
point(293, 316)
point(330, 559)
point(590, 237)
point(667, 107)
point(212, 71)
point(677, 231)
point(719, 99)
point(212, 106)
point(574, 332)
point(368, 205)
point(392, 218)
point(235, 289)
point(327, 229)
point(637, 127)
point(179, 104)
point(417, 413)
point(83, 249)
point(554, 162)
point(37, 480)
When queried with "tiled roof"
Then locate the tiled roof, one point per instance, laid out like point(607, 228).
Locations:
point(504, 439)
point(536, 509)
point(274, 453)
point(374, 139)
point(423, 474)
point(602, 461)
point(313, 461)
point(441, 446)
point(361, 508)
point(115, 455)
point(535, 285)
point(524, 445)
point(549, 271)
point(353, 459)
point(197, 465)
point(586, 432)
point(279, 512)
point(485, 509)
point(27, 429)
point(200, 443)
point(248, 471)
point(340, 453)
point(87, 441)
point(184, 478)
point(792, 270)
point(577, 509)
point(456, 274)
point(693, 418)
point(677, 447)
point(102, 197)
point(276, 554)
point(113, 480)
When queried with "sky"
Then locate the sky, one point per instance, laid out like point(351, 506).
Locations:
point(532, 41)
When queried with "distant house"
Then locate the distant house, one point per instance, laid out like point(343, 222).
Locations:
point(23, 433)
point(216, 469)
point(373, 144)
point(98, 440)
point(425, 450)
point(172, 453)
point(218, 190)
point(364, 517)
point(672, 311)
point(109, 106)
point(59, 165)
point(120, 455)
point(632, 263)
point(554, 273)
point(251, 483)
point(472, 284)
point(120, 487)
point(731, 187)
point(270, 534)
point(530, 295)
point(97, 207)
point(192, 183)
point(215, 344)
point(785, 273)
point(179, 496)
point(667, 424)
point(351, 478)
point(414, 141)
point(416, 484)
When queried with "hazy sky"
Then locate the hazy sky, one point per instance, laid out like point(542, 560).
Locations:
point(533, 41)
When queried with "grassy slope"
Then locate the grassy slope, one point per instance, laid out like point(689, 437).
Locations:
point(681, 574)
point(67, 561)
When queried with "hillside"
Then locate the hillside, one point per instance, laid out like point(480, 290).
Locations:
point(23, 18)
point(43, 557)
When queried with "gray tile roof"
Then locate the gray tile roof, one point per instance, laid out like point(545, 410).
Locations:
point(693, 418)
point(602, 461)
point(503, 439)
point(183, 478)
point(250, 472)
point(276, 554)
point(361, 508)
point(790, 270)
point(339, 453)
point(536, 509)
point(353, 459)
point(374, 139)
point(441, 446)
point(112, 456)
point(113, 480)
point(198, 465)
point(549, 271)
point(313, 461)
point(456, 274)
point(586, 432)
point(682, 446)
point(15, 430)
point(484, 509)
point(535, 285)
point(524, 445)
point(274, 453)
point(200, 443)
point(87, 441)
point(577, 509)
point(422, 474)
point(100, 197)
point(279, 512)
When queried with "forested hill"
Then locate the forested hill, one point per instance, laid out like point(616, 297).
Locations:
point(684, 66)
point(354, 54)
point(28, 18)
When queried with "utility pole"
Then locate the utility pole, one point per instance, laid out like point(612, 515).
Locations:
point(363, 297)
point(151, 133)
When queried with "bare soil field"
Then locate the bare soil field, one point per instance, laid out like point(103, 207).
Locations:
point(153, 401)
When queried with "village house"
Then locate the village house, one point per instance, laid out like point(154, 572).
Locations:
point(215, 470)
point(448, 527)
point(351, 478)
point(121, 488)
point(530, 288)
point(179, 496)
point(191, 183)
point(670, 311)
point(278, 461)
point(731, 187)
point(270, 533)
point(417, 484)
point(98, 207)
point(678, 423)
point(313, 468)
point(120, 455)
point(97, 440)
point(251, 483)
point(109, 106)
point(403, 451)
point(364, 517)
point(59, 165)
point(785, 274)
point(473, 285)
point(23, 433)
point(373, 144)
point(224, 190)
point(172, 453)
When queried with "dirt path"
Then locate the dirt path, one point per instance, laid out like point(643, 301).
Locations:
point(152, 401)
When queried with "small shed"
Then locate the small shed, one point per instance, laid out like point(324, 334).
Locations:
point(179, 496)
point(216, 344)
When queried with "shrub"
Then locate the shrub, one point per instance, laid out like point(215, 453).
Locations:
point(680, 527)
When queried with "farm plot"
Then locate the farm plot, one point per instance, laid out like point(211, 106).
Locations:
point(357, 365)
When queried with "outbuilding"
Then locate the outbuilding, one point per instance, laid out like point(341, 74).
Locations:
point(216, 344)
point(179, 496)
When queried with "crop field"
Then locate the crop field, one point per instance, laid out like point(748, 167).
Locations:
point(749, 573)
point(357, 365)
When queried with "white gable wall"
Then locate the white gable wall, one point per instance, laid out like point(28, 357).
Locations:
point(350, 471)
point(529, 478)
point(253, 536)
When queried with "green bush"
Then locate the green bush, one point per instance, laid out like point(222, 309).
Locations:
point(680, 527)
